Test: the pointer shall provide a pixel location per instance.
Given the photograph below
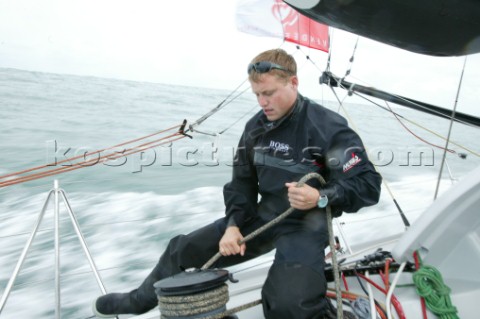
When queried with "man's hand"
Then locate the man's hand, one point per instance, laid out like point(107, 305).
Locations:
point(302, 198)
point(229, 243)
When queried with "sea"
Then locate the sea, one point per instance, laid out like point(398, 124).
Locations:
point(128, 208)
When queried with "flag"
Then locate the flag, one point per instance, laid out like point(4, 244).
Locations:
point(275, 18)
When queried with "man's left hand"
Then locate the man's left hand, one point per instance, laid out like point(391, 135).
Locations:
point(304, 197)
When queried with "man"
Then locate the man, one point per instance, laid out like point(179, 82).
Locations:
point(290, 137)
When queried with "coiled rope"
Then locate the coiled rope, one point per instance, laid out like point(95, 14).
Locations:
point(208, 305)
point(429, 285)
point(212, 303)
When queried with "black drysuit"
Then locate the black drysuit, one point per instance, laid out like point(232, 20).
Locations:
point(310, 138)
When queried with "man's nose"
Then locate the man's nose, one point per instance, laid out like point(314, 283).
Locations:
point(262, 101)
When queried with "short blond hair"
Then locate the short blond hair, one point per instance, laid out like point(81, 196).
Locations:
point(280, 57)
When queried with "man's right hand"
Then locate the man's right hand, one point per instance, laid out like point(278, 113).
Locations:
point(229, 243)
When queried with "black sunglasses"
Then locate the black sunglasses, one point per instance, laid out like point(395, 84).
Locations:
point(264, 67)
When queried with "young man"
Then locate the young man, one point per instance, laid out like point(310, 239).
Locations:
point(290, 137)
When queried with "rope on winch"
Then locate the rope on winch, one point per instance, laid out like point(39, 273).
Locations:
point(210, 305)
point(193, 305)
point(206, 303)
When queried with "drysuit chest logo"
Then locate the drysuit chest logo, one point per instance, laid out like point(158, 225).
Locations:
point(279, 147)
point(351, 162)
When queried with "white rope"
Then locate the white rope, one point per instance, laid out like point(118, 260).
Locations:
point(392, 288)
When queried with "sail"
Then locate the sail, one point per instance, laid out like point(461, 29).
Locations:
point(438, 28)
point(274, 18)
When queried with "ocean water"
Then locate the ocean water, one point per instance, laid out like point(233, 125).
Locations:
point(128, 209)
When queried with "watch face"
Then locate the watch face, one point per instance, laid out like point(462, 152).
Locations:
point(323, 201)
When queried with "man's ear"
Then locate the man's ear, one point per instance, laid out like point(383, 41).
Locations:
point(294, 81)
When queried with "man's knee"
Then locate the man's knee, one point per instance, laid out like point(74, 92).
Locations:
point(293, 291)
point(192, 250)
point(180, 254)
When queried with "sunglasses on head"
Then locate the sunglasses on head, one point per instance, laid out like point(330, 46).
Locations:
point(264, 67)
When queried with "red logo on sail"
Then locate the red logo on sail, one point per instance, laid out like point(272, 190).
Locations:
point(300, 29)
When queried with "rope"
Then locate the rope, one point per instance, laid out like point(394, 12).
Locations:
point(416, 135)
point(351, 296)
point(220, 105)
point(396, 304)
point(390, 294)
point(473, 152)
point(271, 223)
point(44, 171)
point(282, 216)
point(429, 285)
point(212, 303)
point(209, 303)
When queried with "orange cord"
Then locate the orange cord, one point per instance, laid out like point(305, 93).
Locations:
point(85, 163)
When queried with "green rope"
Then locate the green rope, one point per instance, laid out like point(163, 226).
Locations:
point(429, 284)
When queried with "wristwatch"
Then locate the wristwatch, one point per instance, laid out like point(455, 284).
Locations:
point(322, 201)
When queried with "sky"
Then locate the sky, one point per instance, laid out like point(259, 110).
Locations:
point(196, 43)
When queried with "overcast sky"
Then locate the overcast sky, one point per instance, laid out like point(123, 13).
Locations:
point(196, 43)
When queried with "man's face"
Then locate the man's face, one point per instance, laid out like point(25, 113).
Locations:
point(275, 96)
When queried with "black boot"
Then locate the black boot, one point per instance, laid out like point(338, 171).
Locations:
point(111, 305)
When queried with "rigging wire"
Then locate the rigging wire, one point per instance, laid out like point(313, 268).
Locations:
point(420, 106)
point(400, 211)
point(352, 58)
point(329, 58)
point(226, 101)
point(47, 170)
point(86, 154)
point(86, 163)
point(420, 126)
point(229, 99)
point(412, 122)
point(450, 127)
point(415, 135)
point(238, 120)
